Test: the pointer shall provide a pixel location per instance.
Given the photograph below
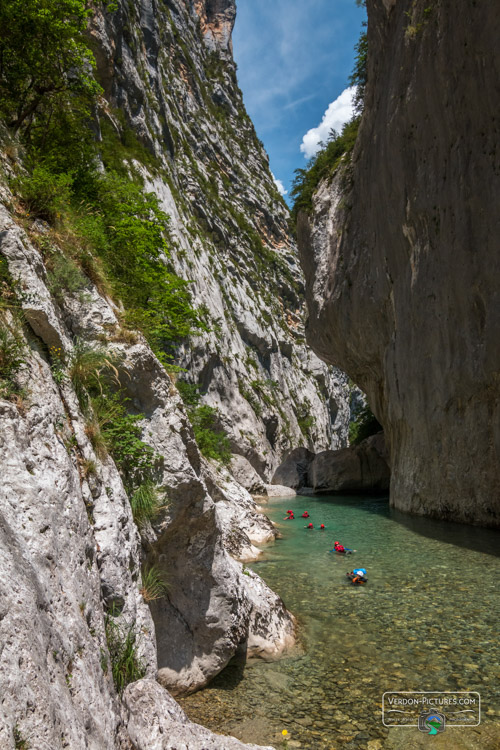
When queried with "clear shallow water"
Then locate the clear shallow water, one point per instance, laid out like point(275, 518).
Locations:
point(427, 620)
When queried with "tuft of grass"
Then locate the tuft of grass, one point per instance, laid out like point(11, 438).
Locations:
point(19, 742)
point(90, 370)
point(12, 356)
point(126, 667)
point(97, 441)
point(154, 583)
point(145, 503)
point(89, 467)
point(64, 276)
point(123, 335)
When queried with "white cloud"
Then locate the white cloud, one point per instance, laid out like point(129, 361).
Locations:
point(339, 112)
point(280, 186)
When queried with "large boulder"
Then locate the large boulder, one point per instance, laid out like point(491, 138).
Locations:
point(357, 469)
point(244, 473)
point(293, 472)
point(279, 490)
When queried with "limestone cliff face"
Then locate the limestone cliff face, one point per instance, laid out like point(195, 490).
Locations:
point(401, 255)
point(216, 18)
point(72, 554)
point(168, 67)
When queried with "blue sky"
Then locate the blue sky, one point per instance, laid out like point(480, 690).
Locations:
point(294, 59)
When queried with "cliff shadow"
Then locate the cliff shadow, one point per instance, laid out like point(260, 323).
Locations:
point(477, 538)
point(458, 534)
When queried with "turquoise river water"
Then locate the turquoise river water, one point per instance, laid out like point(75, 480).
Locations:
point(428, 619)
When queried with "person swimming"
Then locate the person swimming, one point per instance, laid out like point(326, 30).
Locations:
point(289, 517)
point(322, 527)
point(305, 514)
point(341, 550)
point(309, 526)
point(358, 576)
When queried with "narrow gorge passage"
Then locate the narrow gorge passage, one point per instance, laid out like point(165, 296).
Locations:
point(245, 255)
point(426, 620)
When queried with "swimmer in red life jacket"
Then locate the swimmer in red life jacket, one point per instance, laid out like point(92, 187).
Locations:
point(309, 526)
point(322, 527)
point(289, 517)
point(305, 514)
point(341, 550)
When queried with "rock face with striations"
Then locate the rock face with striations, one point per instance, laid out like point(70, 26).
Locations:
point(71, 552)
point(168, 68)
point(293, 472)
point(401, 255)
point(72, 555)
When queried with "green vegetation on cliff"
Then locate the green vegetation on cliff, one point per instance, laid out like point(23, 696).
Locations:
point(364, 425)
point(211, 438)
point(322, 166)
point(45, 64)
point(126, 666)
point(109, 228)
point(339, 145)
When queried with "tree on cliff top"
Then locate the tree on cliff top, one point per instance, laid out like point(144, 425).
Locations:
point(338, 145)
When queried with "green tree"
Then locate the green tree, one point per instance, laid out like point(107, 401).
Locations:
point(322, 165)
point(359, 74)
point(43, 59)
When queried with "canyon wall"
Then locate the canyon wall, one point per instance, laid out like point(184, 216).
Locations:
point(73, 559)
point(74, 556)
point(401, 255)
point(168, 69)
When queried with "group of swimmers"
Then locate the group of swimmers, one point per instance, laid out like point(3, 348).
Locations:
point(290, 517)
point(358, 576)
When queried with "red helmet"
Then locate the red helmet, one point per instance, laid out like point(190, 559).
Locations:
point(322, 525)
point(336, 542)
point(310, 526)
point(289, 511)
